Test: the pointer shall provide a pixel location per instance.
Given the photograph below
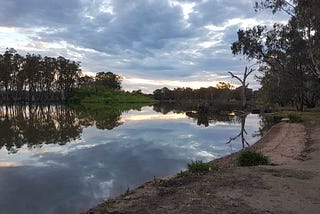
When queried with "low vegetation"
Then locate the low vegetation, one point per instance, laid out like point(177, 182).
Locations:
point(251, 158)
point(295, 118)
point(105, 96)
point(197, 167)
point(289, 173)
point(127, 192)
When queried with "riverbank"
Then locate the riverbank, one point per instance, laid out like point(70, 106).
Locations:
point(289, 185)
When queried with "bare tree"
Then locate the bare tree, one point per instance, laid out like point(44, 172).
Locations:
point(244, 85)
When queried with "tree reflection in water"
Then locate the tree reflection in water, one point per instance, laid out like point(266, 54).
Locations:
point(35, 125)
point(212, 115)
point(242, 132)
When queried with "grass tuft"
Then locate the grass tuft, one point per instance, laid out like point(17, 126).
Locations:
point(200, 167)
point(183, 174)
point(252, 158)
point(127, 192)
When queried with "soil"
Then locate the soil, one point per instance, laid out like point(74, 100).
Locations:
point(290, 184)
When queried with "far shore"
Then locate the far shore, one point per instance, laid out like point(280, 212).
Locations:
point(290, 184)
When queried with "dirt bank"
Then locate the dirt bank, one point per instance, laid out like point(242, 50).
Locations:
point(290, 185)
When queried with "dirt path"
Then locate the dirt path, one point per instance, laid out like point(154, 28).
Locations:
point(290, 185)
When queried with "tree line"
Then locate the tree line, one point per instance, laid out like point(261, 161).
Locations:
point(222, 93)
point(33, 78)
point(288, 54)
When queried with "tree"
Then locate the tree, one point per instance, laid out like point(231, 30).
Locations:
point(244, 85)
point(86, 81)
point(36, 79)
point(68, 74)
point(108, 79)
point(306, 16)
point(289, 52)
point(31, 68)
point(6, 69)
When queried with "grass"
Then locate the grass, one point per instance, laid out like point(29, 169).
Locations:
point(295, 118)
point(183, 174)
point(127, 192)
point(309, 115)
point(109, 202)
point(100, 103)
point(251, 158)
point(101, 95)
point(288, 173)
point(196, 167)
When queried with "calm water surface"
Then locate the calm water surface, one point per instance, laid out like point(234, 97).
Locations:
point(55, 160)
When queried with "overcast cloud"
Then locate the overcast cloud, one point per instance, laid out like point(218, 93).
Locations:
point(151, 43)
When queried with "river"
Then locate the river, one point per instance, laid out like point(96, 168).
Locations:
point(57, 160)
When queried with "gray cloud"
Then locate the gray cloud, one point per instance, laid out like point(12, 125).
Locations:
point(149, 39)
point(31, 13)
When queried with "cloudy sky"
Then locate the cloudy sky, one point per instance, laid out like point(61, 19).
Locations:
point(151, 43)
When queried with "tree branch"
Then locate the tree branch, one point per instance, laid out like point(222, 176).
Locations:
point(234, 76)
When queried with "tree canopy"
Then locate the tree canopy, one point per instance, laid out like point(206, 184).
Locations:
point(289, 54)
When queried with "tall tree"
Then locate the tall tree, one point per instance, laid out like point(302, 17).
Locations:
point(288, 51)
point(6, 69)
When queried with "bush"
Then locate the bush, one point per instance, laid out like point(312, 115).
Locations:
point(295, 118)
point(252, 158)
point(198, 167)
point(183, 174)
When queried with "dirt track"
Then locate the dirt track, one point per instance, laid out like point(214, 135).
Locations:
point(290, 185)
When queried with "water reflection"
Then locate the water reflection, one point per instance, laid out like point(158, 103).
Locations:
point(71, 159)
point(205, 118)
point(242, 134)
point(37, 125)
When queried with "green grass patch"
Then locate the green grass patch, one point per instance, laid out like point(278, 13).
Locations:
point(200, 167)
point(196, 167)
point(308, 115)
point(101, 103)
point(251, 158)
point(101, 95)
point(288, 173)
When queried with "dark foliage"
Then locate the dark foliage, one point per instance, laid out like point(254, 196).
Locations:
point(252, 158)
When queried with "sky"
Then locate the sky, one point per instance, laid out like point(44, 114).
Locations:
point(150, 43)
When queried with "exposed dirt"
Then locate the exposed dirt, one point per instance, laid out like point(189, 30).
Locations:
point(290, 185)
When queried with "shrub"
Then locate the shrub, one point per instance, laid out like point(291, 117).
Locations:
point(198, 167)
point(183, 174)
point(295, 118)
point(252, 158)
point(127, 192)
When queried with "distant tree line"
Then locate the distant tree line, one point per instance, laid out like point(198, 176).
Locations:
point(289, 54)
point(223, 92)
point(33, 78)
